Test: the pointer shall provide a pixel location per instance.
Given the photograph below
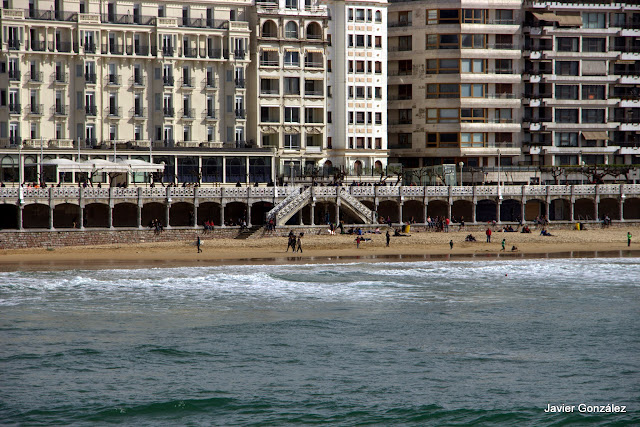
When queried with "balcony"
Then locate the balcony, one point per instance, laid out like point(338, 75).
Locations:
point(168, 112)
point(113, 112)
point(13, 44)
point(89, 48)
point(137, 80)
point(239, 83)
point(58, 77)
point(314, 92)
point(167, 51)
point(168, 143)
point(35, 109)
point(91, 143)
point(38, 46)
point(115, 49)
point(269, 91)
point(14, 75)
point(112, 80)
point(188, 113)
point(239, 53)
point(189, 52)
point(15, 109)
point(214, 53)
point(64, 47)
point(209, 83)
point(313, 64)
point(401, 23)
point(91, 110)
point(240, 113)
point(90, 78)
point(138, 113)
point(188, 83)
point(403, 97)
point(34, 77)
point(269, 62)
point(141, 49)
point(167, 80)
point(60, 110)
point(209, 114)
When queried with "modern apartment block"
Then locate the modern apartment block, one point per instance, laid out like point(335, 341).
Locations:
point(288, 111)
point(357, 85)
point(455, 82)
point(582, 83)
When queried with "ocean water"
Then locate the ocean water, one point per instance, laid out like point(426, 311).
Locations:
point(420, 343)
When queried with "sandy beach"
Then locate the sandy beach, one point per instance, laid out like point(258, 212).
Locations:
point(328, 249)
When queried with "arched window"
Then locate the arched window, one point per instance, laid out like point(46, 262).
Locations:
point(378, 166)
point(378, 16)
point(357, 167)
point(314, 31)
point(291, 30)
point(269, 29)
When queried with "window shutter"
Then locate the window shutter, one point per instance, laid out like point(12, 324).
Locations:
point(3, 129)
point(158, 102)
point(157, 73)
point(79, 100)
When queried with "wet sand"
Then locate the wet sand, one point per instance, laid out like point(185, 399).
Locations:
point(329, 249)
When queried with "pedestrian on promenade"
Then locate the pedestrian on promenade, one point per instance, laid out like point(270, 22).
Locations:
point(451, 244)
point(488, 233)
point(388, 238)
point(628, 238)
point(503, 243)
point(198, 242)
point(299, 243)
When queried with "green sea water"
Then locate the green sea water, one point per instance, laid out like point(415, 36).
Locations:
point(419, 343)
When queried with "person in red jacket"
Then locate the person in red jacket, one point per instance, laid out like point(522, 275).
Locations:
point(488, 232)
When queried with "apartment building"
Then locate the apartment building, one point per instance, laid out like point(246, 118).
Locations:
point(582, 83)
point(289, 79)
point(455, 82)
point(357, 85)
point(127, 75)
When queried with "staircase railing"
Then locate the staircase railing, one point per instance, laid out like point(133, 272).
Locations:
point(288, 210)
point(360, 208)
point(293, 192)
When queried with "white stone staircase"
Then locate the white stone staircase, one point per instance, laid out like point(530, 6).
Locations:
point(293, 205)
point(357, 208)
point(293, 192)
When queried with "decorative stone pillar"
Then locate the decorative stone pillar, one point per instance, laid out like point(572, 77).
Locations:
point(195, 215)
point(338, 212)
point(572, 209)
point(110, 216)
point(449, 205)
point(51, 209)
point(425, 211)
point(522, 210)
point(167, 208)
point(621, 209)
point(400, 213)
point(547, 207)
point(596, 208)
point(20, 209)
point(473, 211)
point(312, 214)
point(139, 215)
point(221, 214)
point(81, 220)
point(498, 204)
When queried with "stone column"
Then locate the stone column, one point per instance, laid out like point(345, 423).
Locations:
point(167, 208)
point(338, 212)
point(300, 222)
point(400, 212)
point(498, 204)
point(596, 208)
point(222, 214)
point(139, 215)
point(51, 208)
point(81, 220)
point(110, 216)
point(547, 207)
point(425, 211)
point(249, 214)
point(195, 215)
point(522, 210)
point(20, 209)
point(449, 205)
point(621, 210)
point(571, 209)
point(473, 211)
point(312, 214)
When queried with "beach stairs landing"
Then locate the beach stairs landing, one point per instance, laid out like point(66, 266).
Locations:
point(356, 208)
point(248, 232)
point(292, 207)
point(293, 192)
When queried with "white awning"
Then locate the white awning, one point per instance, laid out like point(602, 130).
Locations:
point(98, 165)
point(135, 165)
point(66, 165)
point(569, 19)
point(595, 136)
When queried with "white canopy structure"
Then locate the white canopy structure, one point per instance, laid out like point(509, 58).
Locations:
point(99, 165)
point(134, 165)
point(66, 165)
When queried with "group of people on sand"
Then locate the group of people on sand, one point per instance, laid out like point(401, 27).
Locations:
point(295, 243)
point(156, 226)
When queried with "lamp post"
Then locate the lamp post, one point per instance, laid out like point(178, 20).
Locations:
point(461, 164)
point(582, 174)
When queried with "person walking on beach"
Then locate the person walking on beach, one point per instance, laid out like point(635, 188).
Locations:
point(388, 238)
point(198, 244)
point(358, 242)
point(503, 243)
point(488, 233)
point(299, 243)
point(628, 238)
point(451, 244)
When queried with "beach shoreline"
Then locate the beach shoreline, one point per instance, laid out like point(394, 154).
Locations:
point(327, 249)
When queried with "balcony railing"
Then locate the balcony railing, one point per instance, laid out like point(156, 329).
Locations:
point(209, 114)
point(112, 79)
point(167, 80)
point(400, 24)
point(91, 110)
point(167, 51)
point(189, 52)
point(59, 77)
point(209, 83)
point(115, 49)
point(239, 53)
point(314, 92)
point(63, 47)
point(14, 75)
point(313, 64)
point(138, 112)
point(59, 110)
point(138, 80)
point(15, 108)
point(90, 78)
point(113, 111)
point(35, 77)
point(13, 44)
point(38, 46)
point(239, 83)
point(269, 62)
point(188, 83)
point(90, 48)
point(168, 111)
point(269, 91)
point(141, 49)
point(35, 109)
point(214, 53)
point(240, 113)
point(188, 113)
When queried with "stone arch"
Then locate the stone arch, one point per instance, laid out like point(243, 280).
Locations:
point(209, 211)
point(96, 215)
point(632, 208)
point(438, 208)
point(378, 166)
point(66, 215)
point(560, 210)
point(584, 209)
point(234, 212)
point(486, 210)
point(259, 212)
point(609, 206)
point(35, 215)
point(462, 209)
point(125, 215)
point(327, 167)
point(325, 212)
point(8, 216)
point(533, 209)
point(291, 30)
point(314, 31)
point(388, 208)
point(413, 209)
point(152, 211)
point(181, 214)
point(510, 210)
point(357, 167)
point(269, 29)
point(378, 16)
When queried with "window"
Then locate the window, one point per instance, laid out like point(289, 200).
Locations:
point(567, 44)
point(292, 114)
point(292, 141)
point(443, 16)
point(593, 20)
point(503, 115)
point(442, 66)
point(566, 92)
point(566, 139)
point(442, 41)
point(378, 117)
point(593, 115)
point(476, 139)
point(292, 86)
point(443, 140)
point(593, 44)
point(567, 115)
point(378, 16)
point(292, 58)
point(443, 90)
point(567, 68)
point(474, 41)
point(592, 92)
point(472, 65)
point(350, 14)
point(291, 30)
point(359, 92)
point(473, 16)
point(350, 44)
point(359, 66)
point(504, 66)
point(378, 93)
point(473, 114)
point(360, 117)
point(442, 115)
point(475, 90)
point(291, 4)
point(404, 43)
point(359, 40)
point(504, 17)
point(378, 41)
point(359, 15)
point(378, 67)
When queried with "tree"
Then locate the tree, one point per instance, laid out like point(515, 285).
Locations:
point(555, 171)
